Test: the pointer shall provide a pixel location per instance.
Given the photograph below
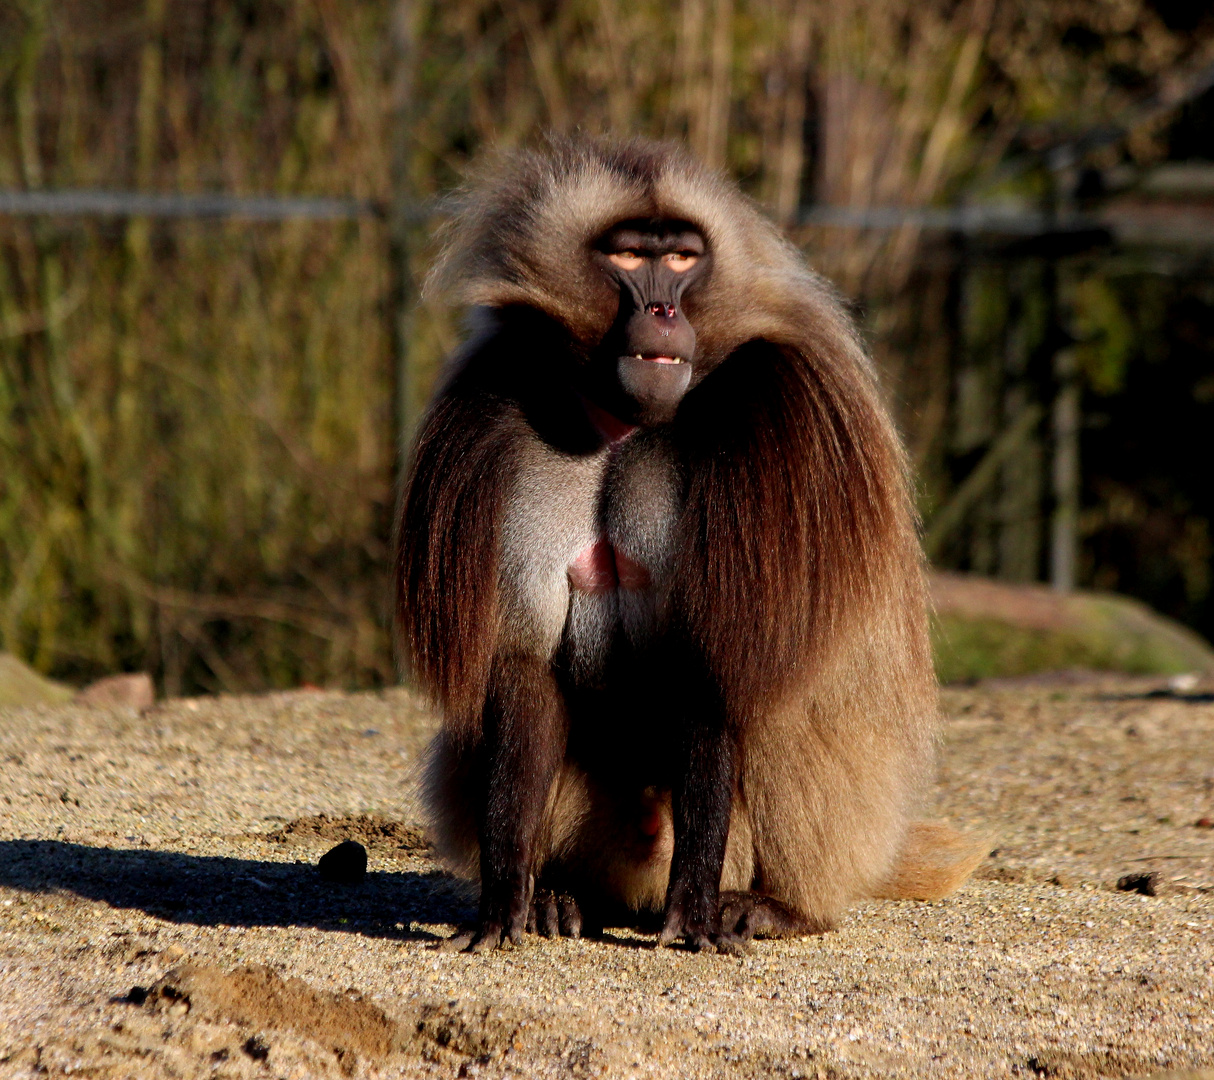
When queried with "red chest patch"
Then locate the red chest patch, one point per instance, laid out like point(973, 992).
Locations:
point(601, 568)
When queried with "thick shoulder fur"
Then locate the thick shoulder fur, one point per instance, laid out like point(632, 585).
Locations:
point(797, 506)
point(446, 572)
point(796, 525)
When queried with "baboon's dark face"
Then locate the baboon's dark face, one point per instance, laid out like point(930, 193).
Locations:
point(646, 362)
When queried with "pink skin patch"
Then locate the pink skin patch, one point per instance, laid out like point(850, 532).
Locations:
point(594, 569)
point(611, 428)
point(601, 568)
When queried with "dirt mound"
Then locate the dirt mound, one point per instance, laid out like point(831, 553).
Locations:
point(132, 691)
point(259, 998)
point(1064, 1064)
point(372, 831)
point(457, 1029)
point(265, 1005)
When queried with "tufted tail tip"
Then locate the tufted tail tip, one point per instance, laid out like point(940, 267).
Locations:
point(935, 861)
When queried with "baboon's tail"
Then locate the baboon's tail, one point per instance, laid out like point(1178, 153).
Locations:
point(934, 862)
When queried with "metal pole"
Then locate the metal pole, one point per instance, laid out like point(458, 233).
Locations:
point(1064, 531)
point(1064, 164)
point(402, 225)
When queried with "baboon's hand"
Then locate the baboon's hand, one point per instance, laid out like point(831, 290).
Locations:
point(502, 919)
point(550, 914)
point(485, 937)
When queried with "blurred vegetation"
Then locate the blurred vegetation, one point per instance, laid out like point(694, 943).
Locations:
point(197, 454)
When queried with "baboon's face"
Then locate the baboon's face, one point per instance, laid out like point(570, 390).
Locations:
point(646, 361)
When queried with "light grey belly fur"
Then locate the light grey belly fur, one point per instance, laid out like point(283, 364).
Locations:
point(562, 505)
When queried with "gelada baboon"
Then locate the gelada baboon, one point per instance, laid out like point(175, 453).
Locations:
point(658, 566)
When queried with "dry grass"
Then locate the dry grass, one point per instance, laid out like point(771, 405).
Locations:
point(196, 439)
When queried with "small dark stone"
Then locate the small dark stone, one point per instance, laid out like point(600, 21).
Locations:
point(1204, 823)
point(256, 1048)
point(137, 995)
point(345, 864)
point(1146, 884)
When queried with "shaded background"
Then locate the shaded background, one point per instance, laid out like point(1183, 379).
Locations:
point(199, 417)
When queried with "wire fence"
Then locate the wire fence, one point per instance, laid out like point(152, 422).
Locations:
point(87, 203)
point(1180, 226)
point(1186, 228)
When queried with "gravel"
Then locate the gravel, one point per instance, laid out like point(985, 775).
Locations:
point(162, 914)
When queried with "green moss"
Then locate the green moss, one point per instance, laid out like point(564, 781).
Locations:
point(1103, 633)
point(22, 685)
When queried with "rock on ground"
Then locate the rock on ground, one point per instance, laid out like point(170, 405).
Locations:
point(135, 691)
point(161, 914)
point(982, 628)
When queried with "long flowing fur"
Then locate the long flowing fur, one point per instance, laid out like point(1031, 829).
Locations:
point(798, 574)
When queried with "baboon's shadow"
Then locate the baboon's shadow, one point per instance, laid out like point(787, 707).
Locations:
point(212, 890)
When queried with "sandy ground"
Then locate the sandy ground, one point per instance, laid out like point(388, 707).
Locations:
point(161, 914)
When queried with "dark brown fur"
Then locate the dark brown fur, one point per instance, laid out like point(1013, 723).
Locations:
point(796, 579)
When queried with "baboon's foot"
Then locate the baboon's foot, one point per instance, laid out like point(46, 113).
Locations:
point(750, 915)
point(686, 922)
point(554, 914)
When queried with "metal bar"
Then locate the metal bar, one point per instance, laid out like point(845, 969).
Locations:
point(404, 240)
point(959, 219)
point(87, 203)
point(1067, 478)
point(1181, 228)
point(90, 203)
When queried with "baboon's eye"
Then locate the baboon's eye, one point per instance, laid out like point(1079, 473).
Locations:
point(679, 261)
point(626, 260)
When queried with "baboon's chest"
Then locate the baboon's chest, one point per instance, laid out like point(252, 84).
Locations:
point(586, 554)
point(618, 581)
